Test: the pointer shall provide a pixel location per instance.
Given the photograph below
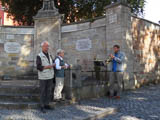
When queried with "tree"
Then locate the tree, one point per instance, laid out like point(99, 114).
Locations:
point(22, 11)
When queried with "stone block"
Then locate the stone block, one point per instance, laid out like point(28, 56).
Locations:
point(12, 63)
point(47, 30)
point(98, 23)
point(83, 26)
point(14, 58)
point(1, 47)
point(87, 92)
point(13, 55)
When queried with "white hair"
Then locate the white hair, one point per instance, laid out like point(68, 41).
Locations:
point(44, 42)
point(59, 51)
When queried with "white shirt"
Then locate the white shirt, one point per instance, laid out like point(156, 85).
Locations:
point(57, 61)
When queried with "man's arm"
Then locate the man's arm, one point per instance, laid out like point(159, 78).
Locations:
point(57, 62)
point(120, 58)
point(58, 67)
point(67, 65)
point(39, 64)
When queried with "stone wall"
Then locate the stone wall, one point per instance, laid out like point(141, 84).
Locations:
point(83, 42)
point(146, 48)
point(16, 50)
point(139, 39)
point(118, 31)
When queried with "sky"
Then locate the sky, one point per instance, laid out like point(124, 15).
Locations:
point(152, 10)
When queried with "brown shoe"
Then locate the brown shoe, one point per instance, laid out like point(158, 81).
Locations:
point(117, 97)
point(110, 96)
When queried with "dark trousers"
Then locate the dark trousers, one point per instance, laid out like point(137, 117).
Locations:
point(46, 87)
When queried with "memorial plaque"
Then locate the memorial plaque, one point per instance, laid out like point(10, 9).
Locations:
point(12, 47)
point(112, 18)
point(83, 44)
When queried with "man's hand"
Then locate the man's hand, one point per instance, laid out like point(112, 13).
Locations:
point(48, 67)
point(70, 66)
point(112, 56)
point(64, 67)
point(54, 64)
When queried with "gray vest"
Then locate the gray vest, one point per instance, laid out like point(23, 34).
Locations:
point(46, 73)
point(60, 73)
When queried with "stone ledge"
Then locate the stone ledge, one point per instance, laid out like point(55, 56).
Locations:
point(116, 4)
point(101, 114)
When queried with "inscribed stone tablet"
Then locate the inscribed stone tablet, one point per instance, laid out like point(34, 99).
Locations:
point(83, 44)
point(12, 47)
point(112, 18)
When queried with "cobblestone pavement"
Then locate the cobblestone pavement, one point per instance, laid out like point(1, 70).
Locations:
point(141, 104)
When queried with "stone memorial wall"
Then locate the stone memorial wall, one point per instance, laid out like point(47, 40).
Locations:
point(146, 48)
point(16, 51)
point(85, 41)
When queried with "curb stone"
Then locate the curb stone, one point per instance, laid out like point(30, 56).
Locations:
point(101, 114)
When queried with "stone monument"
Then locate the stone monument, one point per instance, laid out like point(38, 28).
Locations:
point(47, 27)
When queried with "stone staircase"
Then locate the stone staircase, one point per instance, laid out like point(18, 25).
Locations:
point(21, 94)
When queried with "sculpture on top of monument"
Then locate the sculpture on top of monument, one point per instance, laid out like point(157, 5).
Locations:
point(48, 9)
point(48, 5)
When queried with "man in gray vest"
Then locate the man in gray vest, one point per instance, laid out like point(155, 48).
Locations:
point(60, 67)
point(116, 74)
point(45, 66)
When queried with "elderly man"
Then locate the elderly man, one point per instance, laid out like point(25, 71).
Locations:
point(60, 67)
point(45, 66)
point(116, 74)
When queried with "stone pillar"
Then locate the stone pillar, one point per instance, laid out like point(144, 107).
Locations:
point(47, 27)
point(73, 84)
point(118, 31)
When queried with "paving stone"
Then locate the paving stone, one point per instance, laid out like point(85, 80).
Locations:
point(142, 104)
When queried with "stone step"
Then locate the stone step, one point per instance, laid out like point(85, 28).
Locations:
point(18, 105)
point(14, 89)
point(20, 82)
point(19, 97)
point(29, 105)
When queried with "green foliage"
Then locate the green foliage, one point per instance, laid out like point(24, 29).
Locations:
point(22, 11)
point(137, 6)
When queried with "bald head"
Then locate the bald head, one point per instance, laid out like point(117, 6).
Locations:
point(45, 46)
